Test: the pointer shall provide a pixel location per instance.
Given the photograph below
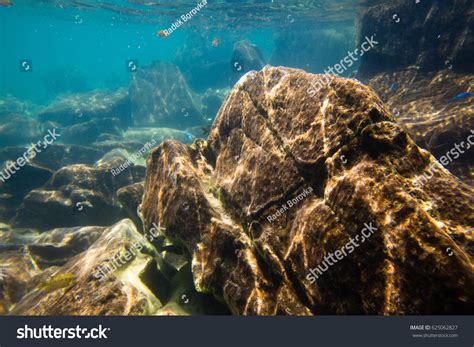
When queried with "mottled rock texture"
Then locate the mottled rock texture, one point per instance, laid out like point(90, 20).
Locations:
point(271, 141)
point(126, 290)
point(426, 106)
point(160, 97)
point(432, 35)
point(112, 271)
point(77, 195)
point(28, 257)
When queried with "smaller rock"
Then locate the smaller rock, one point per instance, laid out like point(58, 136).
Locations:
point(18, 129)
point(160, 97)
point(11, 105)
point(118, 275)
point(77, 195)
point(82, 107)
point(131, 197)
point(245, 57)
point(20, 183)
point(88, 132)
point(57, 246)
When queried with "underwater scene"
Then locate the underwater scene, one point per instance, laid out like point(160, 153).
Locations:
point(236, 157)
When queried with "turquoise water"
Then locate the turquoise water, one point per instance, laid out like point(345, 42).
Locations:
point(74, 48)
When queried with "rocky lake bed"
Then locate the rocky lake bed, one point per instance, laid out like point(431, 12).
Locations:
point(251, 194)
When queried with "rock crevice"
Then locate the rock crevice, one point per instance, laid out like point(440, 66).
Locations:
point(272, 140)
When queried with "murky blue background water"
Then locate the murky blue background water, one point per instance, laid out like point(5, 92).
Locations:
point(74, 48)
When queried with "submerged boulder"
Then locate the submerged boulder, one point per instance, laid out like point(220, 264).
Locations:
point(88, 132)
point(16, 273)
point(16, 129)
point(94, 271)
point(78, 195)
point(11, 105)
point(28, 257)
point(55, 156)
point(308, 201)
point(160, 97)
point(245, 57)
point(15, 185)
point(83, 286)
point(78, 108)
point(131, 197)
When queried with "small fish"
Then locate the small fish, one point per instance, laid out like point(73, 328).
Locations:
point(215, 42)
point(393, 87)
point(57, 282)
point(5, 196)
point(162, 34)
point(460, 97)
point(6, 3)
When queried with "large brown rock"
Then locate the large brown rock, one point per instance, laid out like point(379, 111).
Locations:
point(289, 174)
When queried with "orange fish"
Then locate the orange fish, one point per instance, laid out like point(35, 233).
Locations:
point(215, 42)
point(162, 34)
point(6, 3)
